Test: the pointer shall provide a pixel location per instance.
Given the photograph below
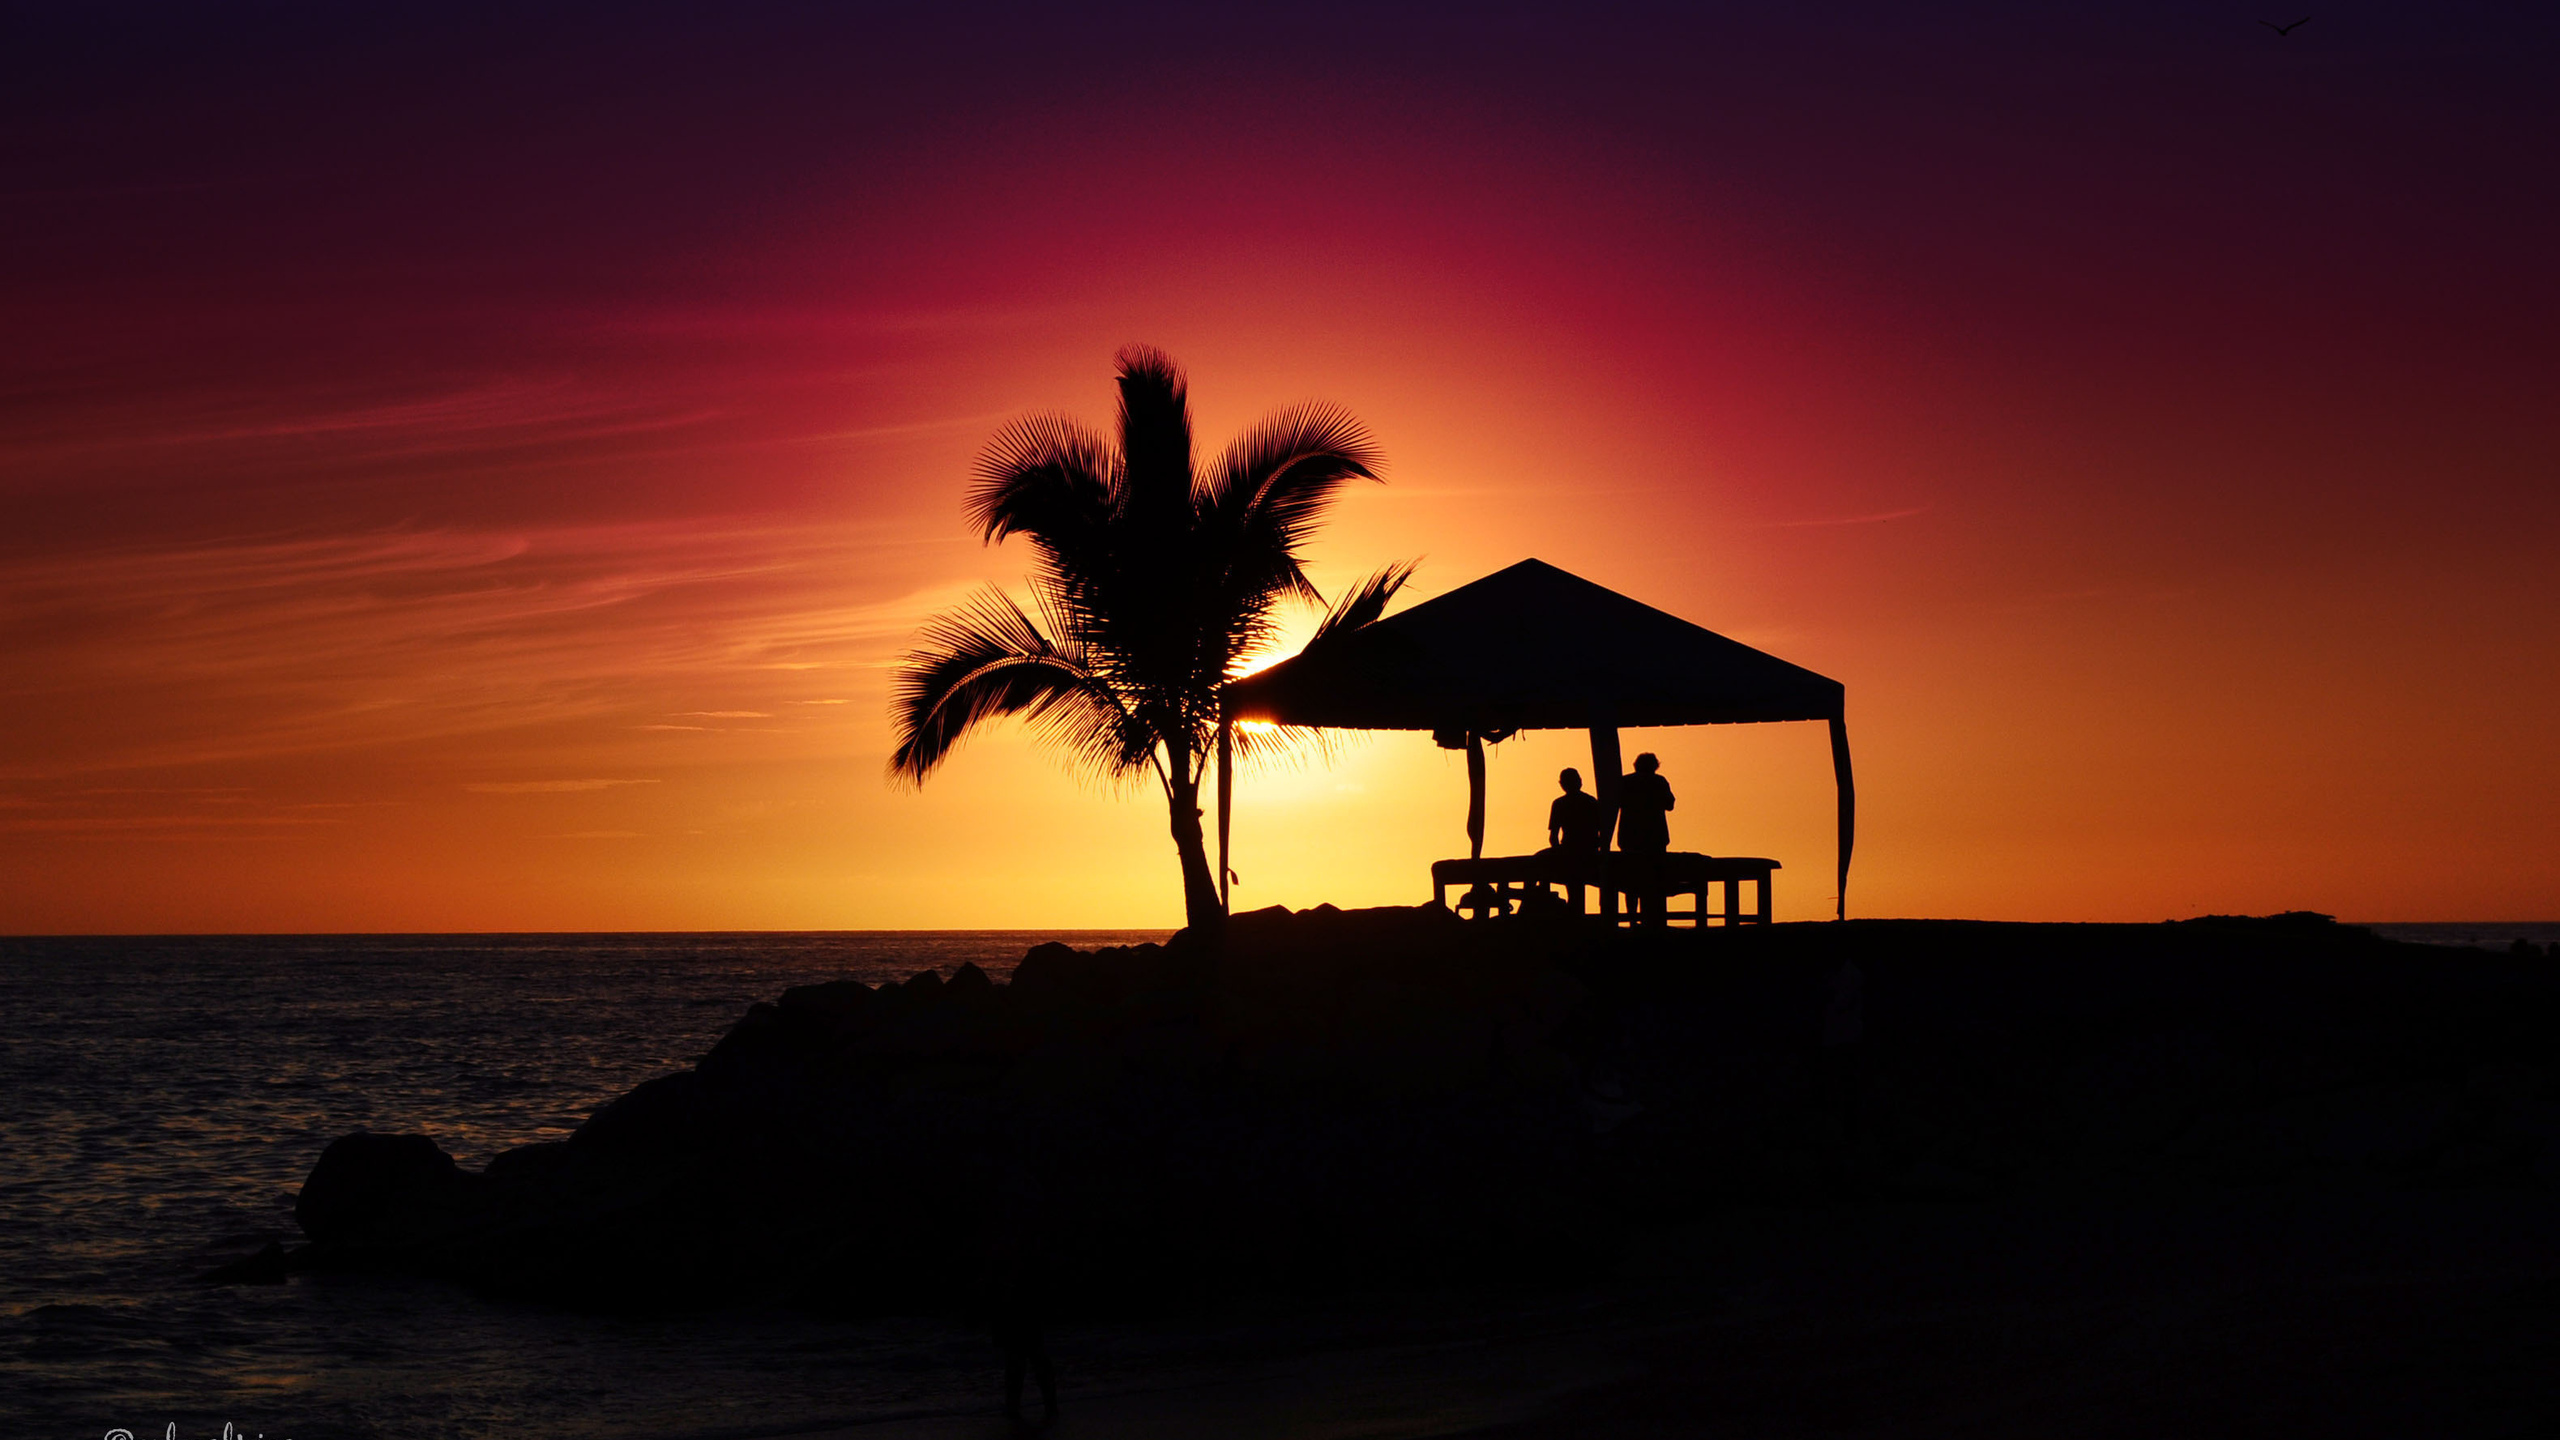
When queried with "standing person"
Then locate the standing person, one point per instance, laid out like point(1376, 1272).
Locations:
point(1574, 821)
point(1017, 1302)
point(1644, 834)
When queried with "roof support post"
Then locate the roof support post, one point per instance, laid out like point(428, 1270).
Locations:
point(1848, 807)
point(1605, 769)
point(1475, 795)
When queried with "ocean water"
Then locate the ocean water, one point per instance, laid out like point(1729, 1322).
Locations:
point(161, 1100)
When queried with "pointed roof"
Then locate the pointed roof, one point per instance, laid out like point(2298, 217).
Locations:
point(1531, 648)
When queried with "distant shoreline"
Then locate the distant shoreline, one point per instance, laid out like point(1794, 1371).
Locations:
point(2422, 932)
point(2486, 934)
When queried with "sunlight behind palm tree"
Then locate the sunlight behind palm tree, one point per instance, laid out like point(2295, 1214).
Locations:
point(1153, 585)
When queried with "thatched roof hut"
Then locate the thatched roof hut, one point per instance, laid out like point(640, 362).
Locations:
point(1534, 648)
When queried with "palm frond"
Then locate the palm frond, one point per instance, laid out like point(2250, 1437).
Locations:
point(1363, 603)
point(1155, 438)
point(1291, 747)
point(986, 660)
point(1047, 477)
point(1324, 437)
point(1153, 583)
point(1272, 487)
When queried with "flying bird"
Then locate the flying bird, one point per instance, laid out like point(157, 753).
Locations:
point(2285, 29)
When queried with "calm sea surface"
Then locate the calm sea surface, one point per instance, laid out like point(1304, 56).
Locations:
point(162, 1099)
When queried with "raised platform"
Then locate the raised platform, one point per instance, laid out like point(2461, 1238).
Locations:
point(1502, 885)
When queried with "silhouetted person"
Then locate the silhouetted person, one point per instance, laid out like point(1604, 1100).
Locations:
point(1644, 833)
point(1844, 1021)
point(1017, 1308)
point(1574, 821)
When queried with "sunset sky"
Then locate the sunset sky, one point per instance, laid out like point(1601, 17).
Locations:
point(470, 472)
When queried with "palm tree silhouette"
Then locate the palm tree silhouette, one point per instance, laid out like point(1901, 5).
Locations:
point(1153, 583)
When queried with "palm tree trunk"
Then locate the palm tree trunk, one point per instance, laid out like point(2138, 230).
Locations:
point(1200, 907)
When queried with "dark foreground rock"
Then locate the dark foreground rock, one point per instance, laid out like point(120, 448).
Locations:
point(363, 1178)
point(1350, 1097)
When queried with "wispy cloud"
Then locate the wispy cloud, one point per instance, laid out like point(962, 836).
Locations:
point(769, 322)
point(986, 421)
point(76, 823)
point(547, 787)
point(1876, 519)
point(495, 414)
point(136, 657)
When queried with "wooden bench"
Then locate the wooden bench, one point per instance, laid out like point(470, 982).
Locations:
point(1501, 885)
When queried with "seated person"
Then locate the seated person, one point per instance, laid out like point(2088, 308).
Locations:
point(1575, 825)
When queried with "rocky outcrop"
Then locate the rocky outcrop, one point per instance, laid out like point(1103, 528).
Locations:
point(365, 1180)
point(1349, 1097)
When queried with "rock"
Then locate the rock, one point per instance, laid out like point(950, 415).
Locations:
point(671, 1112)
point(1270, 919)
point(363, 1177)
point(2387, 1128)
point(1607, 1113)
point(2293, 920)
point(1844, 1021)
point(1051, 973)
point(1936, 1180)
point(1339, 1096)
point(2508, 1082)
point(529, 1163)
point(835, 1005)
point(2535, 1124)
point(755, 1049)
point(1044, 972)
